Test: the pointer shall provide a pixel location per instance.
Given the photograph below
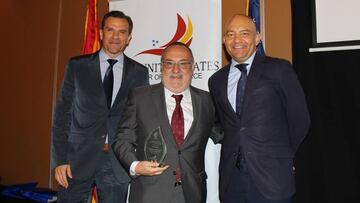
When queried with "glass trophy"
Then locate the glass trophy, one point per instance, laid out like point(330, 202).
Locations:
point(155, 147)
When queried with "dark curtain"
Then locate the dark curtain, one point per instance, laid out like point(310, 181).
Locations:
point(328, 161)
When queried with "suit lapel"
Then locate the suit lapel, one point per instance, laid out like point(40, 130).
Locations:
point(254, 75)
point(224, 94)
point(95, 81)
point(125, 81)
point(196, 105)
point(158, 97)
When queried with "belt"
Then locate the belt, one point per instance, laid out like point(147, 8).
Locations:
point(106, 147)
point(177, 184)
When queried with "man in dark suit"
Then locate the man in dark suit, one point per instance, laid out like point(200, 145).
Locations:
point(93, 95)
point(263, 111)
point(183, 178)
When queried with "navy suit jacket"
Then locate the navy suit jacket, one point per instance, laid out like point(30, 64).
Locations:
point(82, 119)
point(273, 123)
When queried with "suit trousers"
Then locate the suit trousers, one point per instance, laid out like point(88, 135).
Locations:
point(109, 190)
point(242, 188)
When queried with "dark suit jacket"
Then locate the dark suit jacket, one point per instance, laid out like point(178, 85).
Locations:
point(273, 123)
point(82, 119)
point(146, 111)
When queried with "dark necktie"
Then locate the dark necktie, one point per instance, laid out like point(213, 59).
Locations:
point(177, 126)
point(109, 82)
point(240, 91)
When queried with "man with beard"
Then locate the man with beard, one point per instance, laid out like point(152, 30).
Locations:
point(185, 117)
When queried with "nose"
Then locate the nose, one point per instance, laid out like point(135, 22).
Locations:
point(116, 35)
point(237, 38)
point(176, 68)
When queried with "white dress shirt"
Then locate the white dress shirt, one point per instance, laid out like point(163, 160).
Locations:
point(186, 106)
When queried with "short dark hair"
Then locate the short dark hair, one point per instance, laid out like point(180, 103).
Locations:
point(117, 14)
point(177, 44)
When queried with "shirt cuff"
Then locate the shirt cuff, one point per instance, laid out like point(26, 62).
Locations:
point(132, 168)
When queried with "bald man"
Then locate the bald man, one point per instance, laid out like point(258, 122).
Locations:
point(263, 112)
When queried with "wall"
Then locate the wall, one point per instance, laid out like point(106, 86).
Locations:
point(27, 60)
point(277, 25)
point(38, 37)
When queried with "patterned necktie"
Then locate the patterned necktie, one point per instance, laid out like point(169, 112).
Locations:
point(108, 82)
point(177, 126)
point(240, 91)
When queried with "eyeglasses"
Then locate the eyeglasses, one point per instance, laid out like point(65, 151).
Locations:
point(181, 64)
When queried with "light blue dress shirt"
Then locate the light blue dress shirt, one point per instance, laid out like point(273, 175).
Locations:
point(117, 70)
point(233, 78)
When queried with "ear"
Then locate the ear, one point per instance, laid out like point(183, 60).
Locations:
point(101, 32)
point(193, 67)
point(257, 38)
point(128, 39)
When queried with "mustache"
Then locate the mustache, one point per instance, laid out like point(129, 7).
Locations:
point(176, 75)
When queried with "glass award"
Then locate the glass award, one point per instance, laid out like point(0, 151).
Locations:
point(155, 146)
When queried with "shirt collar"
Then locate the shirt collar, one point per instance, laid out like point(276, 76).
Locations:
point(186, 94)
point(249, 61)
point(103, 57)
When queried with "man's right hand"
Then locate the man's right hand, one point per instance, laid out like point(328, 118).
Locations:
point(61, 174)
point(149, 168)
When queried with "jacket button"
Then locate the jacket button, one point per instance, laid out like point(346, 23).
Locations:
point(179, 152)
point(174, 173)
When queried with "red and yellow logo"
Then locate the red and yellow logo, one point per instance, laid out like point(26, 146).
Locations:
point(183, 34)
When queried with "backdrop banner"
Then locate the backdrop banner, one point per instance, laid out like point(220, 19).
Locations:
point(195, 23)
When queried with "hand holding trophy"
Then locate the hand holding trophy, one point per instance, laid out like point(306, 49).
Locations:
point(155, 151)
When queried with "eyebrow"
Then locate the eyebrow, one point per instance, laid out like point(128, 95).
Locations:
point(178, 60)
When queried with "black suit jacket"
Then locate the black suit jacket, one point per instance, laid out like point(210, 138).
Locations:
point(82, 119)
point(147, 111)
point(273, 123)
